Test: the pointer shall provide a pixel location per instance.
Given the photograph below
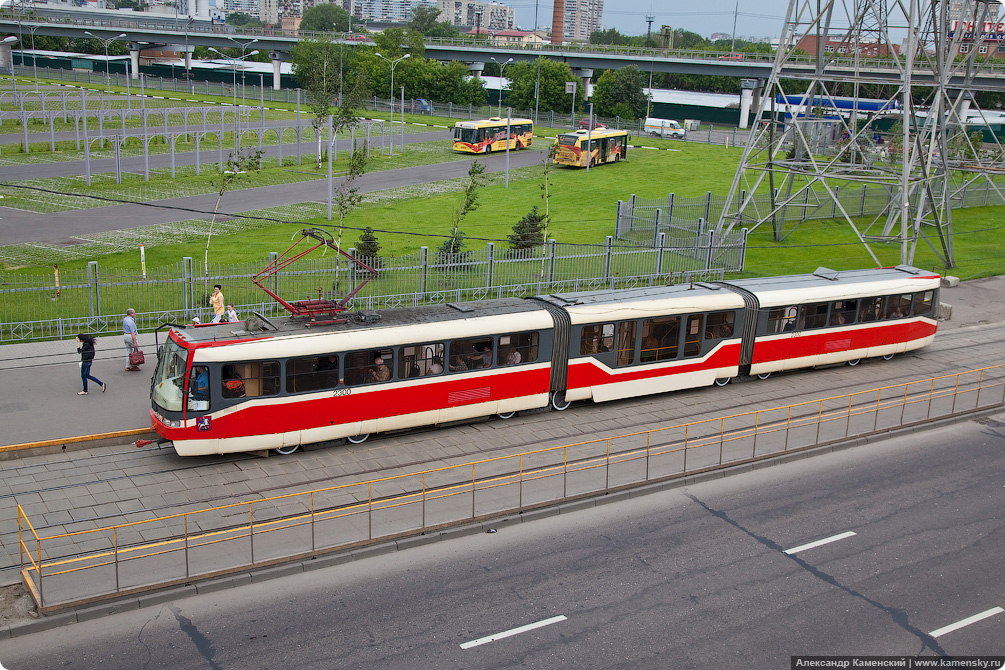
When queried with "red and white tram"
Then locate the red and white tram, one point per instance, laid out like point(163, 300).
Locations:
point(248, 387)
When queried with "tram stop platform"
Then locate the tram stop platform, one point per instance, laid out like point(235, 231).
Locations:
point(40, 408)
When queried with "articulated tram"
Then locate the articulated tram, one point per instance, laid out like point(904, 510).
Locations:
point(278, 385)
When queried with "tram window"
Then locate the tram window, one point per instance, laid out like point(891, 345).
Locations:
point(692, 335)
point(420, 360)
point(368, 367)
point(870, 309)
point(815, 315)
point(719, 325)
point(259, 377)
point(518, 348)
point(923, 302)
point(659, 339)
point(843, 311)
point(898, 306)
point(311, 373)
point(782, 319)
point(597, 339)
point(626, 343)
point(470, 354)
point(198, 388)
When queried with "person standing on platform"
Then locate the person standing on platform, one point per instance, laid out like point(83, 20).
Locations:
point(86, 351)
point(218, 302)
point(232, 316)
point(129, 338)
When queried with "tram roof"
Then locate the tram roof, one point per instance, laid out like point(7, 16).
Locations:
point(360, 322)
point(825, 284)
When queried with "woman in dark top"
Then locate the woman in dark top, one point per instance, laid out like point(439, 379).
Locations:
point(86, 351)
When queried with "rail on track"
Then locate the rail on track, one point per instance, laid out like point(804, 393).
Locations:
point(72, 569)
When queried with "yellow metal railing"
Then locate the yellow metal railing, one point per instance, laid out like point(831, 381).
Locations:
point(87, 565)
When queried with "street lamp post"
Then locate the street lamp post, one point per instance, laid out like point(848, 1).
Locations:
point(244, 80)
point(34, 57)
point(108, 75)
point(391, 97)
point(501, 66)
point(233, 63)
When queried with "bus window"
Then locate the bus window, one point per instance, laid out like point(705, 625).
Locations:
point(597, 339)
point(782, 319)
point(923, 303)
point(419, 360)
point(626, 343)
point(659, 339)
point(517, 348)
point(719, 325)
point(815, 315)
point(311, 373)
point(692, 335)
point(870, 309)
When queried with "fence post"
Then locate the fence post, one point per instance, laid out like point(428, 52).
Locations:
point(188, 292)
point(834, 203)
point(660, 244)
point(490, 251)
point(656, 227)
point(708, 252)
point(861, 209)
point(806, 203)
point(617, 220)
point(273, 257)
point(670, 209)
point(552, 244)
point(423, 269)
point(708, 204)
point(94, 299)
point(608, 258)
point(986, 185)
point(743, 249)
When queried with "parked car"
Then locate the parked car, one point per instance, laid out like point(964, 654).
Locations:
point(422, 106)
point(584, 124)
point(731, 57)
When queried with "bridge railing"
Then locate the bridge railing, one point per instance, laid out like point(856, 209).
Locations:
point(64, 567)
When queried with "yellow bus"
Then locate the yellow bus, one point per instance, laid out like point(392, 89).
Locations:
point(605, 146)
point(488, 135)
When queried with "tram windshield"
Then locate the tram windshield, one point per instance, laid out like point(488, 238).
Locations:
point(169, 379)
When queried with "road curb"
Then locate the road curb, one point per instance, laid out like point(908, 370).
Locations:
point(75, 443)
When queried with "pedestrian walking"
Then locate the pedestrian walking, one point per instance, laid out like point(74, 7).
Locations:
point(218, 302)
point(129, 338)
point(86, 351)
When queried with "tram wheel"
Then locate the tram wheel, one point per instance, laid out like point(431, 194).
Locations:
point(762, 375)
point(887, 357)
point(724, 381)
point(853, 362)
point(358, 439)
point(558, 401)
point(506, 415)
point(286, 451)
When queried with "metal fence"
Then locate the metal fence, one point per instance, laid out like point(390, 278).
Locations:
point(70, 567)
point(643, 219)
point(50, 305)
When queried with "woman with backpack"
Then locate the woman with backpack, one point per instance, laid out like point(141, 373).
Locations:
point(86, 351)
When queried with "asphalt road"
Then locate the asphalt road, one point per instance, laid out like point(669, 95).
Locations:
point(707, 576)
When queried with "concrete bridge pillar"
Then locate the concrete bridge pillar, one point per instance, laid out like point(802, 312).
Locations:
point(277, 63)
point(586, 75)
point(6, 59)
point(476, 69)
point(747, 89)
point(134, 62)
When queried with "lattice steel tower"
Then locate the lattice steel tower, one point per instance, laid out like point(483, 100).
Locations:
point(883, 92)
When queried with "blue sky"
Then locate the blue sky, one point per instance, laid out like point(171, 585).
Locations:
point(755, 18)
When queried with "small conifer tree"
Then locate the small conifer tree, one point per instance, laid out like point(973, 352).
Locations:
point(528, 231)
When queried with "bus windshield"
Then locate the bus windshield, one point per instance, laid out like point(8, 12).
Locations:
point(469, 135)
point(568, 140)
point(169, 378)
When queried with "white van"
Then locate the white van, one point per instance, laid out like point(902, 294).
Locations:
point(664, 128)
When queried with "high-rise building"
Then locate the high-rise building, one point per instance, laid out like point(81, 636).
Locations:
point(582, 17)
point(494, 15)
point(270, 11)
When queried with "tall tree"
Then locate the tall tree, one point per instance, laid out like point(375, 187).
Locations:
point(455, 240)
point(554, 75)
point(320, 67)
point(619, 93)
point(325, 18)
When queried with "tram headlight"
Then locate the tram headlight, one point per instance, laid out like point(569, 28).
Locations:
point(168, 423)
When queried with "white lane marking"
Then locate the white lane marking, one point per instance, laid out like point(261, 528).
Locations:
point(966, 622)
point(512, 632)
point(826, 540)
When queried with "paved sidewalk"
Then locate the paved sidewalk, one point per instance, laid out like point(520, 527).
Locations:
point(41, 380)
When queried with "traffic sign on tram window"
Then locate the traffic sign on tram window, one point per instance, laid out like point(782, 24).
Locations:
point(570, 87)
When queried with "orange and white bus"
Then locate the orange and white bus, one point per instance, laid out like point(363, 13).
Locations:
point(488, 135)
point(598, 146)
